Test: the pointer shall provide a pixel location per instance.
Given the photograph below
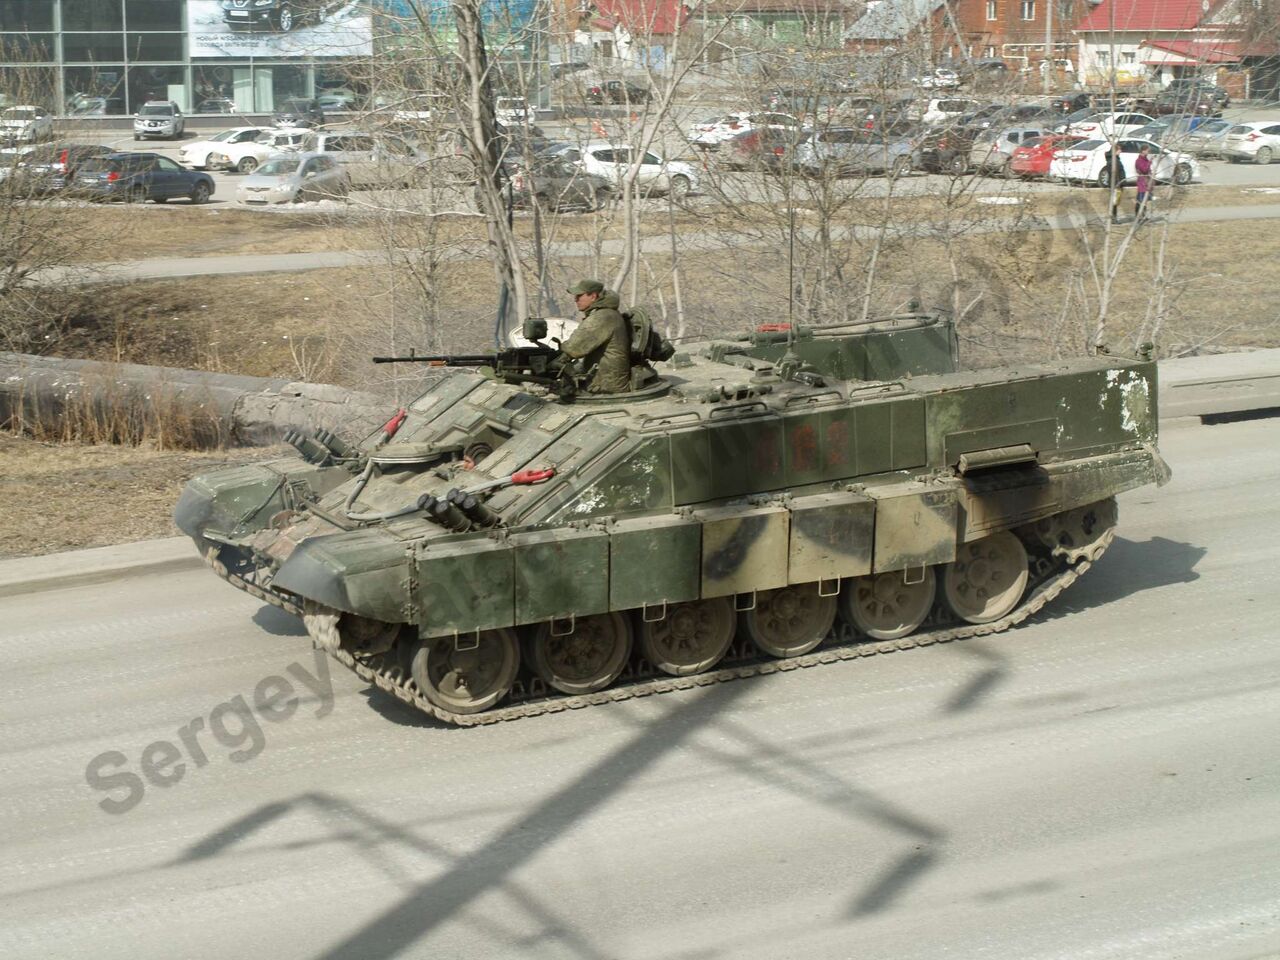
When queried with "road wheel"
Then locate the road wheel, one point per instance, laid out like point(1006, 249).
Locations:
point(467, 674)
point(959, 165)
point(285, 19)
point(887, 606)
point(691, 638)
point(247, 165)
point(680, 187)
point(901, 167)
point(600, 199)
point(587, 658)
point(1263, 155)
point(1006, 170)
point(1104, 177)
point(136, 138)
point(200, 192)
point(987, 578)
point(1182, 174)
point(789, 621)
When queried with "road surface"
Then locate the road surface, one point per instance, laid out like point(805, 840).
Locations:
point(1099, 784)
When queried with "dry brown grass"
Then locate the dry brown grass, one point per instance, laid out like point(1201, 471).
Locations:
point(64, 497)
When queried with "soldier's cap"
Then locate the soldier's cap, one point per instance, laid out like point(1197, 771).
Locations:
point(587, 286)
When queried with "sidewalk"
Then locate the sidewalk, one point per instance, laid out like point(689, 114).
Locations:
point(172, 268)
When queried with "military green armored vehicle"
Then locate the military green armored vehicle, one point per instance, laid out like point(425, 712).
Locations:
point(510, 545)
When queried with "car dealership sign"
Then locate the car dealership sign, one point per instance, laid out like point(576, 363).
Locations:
point(279, 28)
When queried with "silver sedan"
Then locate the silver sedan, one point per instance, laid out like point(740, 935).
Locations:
point(293, 178)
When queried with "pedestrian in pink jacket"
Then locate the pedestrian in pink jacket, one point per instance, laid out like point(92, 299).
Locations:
point(1143, 166)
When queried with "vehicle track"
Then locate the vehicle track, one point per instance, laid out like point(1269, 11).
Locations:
point(1050, 574)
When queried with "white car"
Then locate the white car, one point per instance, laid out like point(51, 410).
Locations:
point(941, 109)
point(1105, 125)
point(158, 118)
point(1086, 162)
point(246, 157)
point(709, 134)
point(656, 175)
point(26, 124)
point(1255, 142)
point(197, 154)
point(940, 79)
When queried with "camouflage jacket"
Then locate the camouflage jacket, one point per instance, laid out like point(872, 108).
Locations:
point(603, 341)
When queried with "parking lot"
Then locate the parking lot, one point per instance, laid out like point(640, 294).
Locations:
point(718, 183)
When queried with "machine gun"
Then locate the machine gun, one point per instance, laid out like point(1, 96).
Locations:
point(539, 364)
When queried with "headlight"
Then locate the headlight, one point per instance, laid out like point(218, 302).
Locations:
point(219, 158)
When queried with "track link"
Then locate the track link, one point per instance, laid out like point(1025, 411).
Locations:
point(1050, 575)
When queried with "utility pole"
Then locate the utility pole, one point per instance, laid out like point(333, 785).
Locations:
point(1048, 46)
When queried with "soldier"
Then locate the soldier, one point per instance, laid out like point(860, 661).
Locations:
point(603, 339)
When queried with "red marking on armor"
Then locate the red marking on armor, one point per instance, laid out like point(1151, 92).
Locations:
point(525, 477)
point(839, 449)
point(773, 328)
point(804, 447)
point(392, 425)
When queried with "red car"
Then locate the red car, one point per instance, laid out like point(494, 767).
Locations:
point(1031, 159)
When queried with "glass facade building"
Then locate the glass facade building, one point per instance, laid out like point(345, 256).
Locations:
point(108, 57)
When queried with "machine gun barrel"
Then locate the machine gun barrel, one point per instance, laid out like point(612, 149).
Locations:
point(458, 360)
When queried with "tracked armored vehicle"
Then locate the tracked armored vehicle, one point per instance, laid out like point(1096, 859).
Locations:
point(508, 545)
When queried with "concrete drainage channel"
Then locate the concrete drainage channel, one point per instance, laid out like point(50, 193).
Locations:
point(259, 410)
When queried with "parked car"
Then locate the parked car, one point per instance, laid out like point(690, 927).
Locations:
point(513, 111)
point(987, 72)
point(1207, 139)
point(1086, 162)
point(553, 183)
point(294, 178)
point(370, 159)
point(140, 176)
point(1106, 125)
point(282, 15)
point(889, 114)
point(617, 91)
point(50, 168)
point(940, 79)
point(845, 151)
point(611, 161)
point(942, 110)
point(11, 156)
point(1008, 115)
point(299, 112)
point(762, 148)
point(336, 103)
point(197, 154)
point(219, 105)
point(992, 152)
point(945, 150)
point(246, 156)
point(98, 107)
point(26, 124)
point(709, 134)
point(158, 118)
point(1192, 95)
point(1068, 103)
point(1032, 157)
point(1258, 142)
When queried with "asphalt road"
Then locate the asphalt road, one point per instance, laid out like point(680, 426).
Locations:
point(1099, 784)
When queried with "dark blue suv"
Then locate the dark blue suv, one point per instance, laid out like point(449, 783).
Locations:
point(138, 177)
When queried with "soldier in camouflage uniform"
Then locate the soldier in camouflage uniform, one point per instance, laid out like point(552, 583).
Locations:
point(603, 339)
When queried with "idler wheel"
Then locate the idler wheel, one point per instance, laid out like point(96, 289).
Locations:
point(789, 621)
point(587, 658)
point(884, 606)
point(338, 630)
point(1079, 534)
point(467, 674)
point(691, 638)
point(987, 578)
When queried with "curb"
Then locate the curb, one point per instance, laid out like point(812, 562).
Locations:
point(26, 575)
